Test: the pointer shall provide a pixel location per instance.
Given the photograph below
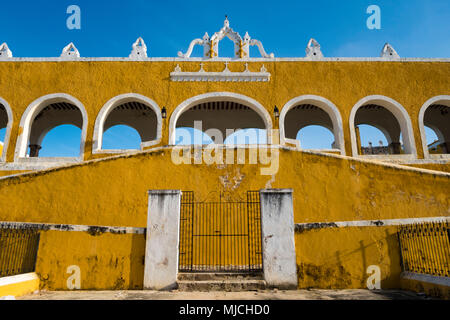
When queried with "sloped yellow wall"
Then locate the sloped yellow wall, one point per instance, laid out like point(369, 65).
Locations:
point(327, 188)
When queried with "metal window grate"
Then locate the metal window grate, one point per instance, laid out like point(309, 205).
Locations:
point(222, 236)
point(18, 250)
point(425, 248)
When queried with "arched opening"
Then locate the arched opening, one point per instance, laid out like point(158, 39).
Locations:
point(5, 127)
point(45, 114)
point(190, 136)
point(221, 116)
point(312, 122)
point(434, 123)
point(121, 137)
point(50, 117)
point(247, 137)
point(377, 118)
point(124, 116)
point(60, 141)
point(373, 141)
point(315, 138)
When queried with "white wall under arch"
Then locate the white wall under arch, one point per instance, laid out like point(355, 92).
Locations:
point(109, 106)
point(8, 129)
point(323, 104)
point(444, 100)
point(220, 96)
point(399, 113)
point(33, 110)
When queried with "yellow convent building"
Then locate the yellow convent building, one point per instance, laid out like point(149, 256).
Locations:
point(133, 219)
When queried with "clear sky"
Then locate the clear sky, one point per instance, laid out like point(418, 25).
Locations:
point(416, 28)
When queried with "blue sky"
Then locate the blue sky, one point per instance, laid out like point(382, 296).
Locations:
point(416, 28)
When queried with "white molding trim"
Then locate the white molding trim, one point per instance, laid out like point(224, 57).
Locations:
point(368, 223)
point(225, 76)
point(24, 277)
point(441, 281)
point(445, 99)
point(109, 106)
point(325, 105)
point(399, 113)
point(27, 120)
point(8, 129)
point(222, 96)
point(72, 227)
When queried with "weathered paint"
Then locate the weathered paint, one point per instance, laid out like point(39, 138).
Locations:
point(327, 189)
point(161, 249)
point(106, 261)
point(339, 258)
point(278, 245)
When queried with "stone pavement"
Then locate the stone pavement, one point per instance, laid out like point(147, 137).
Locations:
point(248, 295)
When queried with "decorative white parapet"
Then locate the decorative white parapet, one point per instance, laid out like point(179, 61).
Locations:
point(313, 50)
point(389, 52)
point(5, 53)
point(211, 44)
point(139, 49)
point(225, 76)
point(70, 52)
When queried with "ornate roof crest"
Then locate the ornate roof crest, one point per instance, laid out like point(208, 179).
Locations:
point(70, 52)
point(5, 52)
point(211, 44)
point(139, 49)
point(225, 76)
point(313, 50)
point(389, 52)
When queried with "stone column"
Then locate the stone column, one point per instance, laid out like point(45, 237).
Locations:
point(277, 227)
point(161, 251)
point(34, 150)
point(395, 148)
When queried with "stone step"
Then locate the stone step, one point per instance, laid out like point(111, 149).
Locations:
point(186, 276)
point(222, 285)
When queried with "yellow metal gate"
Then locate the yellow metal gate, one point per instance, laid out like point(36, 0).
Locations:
point(223, 236)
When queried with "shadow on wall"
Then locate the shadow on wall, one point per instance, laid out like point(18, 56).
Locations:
point(339, 258)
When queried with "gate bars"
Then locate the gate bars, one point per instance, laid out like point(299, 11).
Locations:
point(425, 248)
point(18, 250)
point(223, 236)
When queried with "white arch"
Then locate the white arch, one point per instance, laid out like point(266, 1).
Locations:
point(8, 129)
point(444, 100)
point(33, 110)
point(325, 105)
point(399, 113)
point(222, 96)
point(109, 106)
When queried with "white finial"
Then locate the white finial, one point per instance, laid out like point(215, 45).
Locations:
point(139, 49)
point(226, 23)
point(313, 50)
point(389, 52)
point(5, 52)
point(70, 52)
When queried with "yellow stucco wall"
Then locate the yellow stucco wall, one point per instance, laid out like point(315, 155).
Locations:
point(339, 258)
point(343, 83)
point(327, 188)
point(113, 192)
point(106, 261)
